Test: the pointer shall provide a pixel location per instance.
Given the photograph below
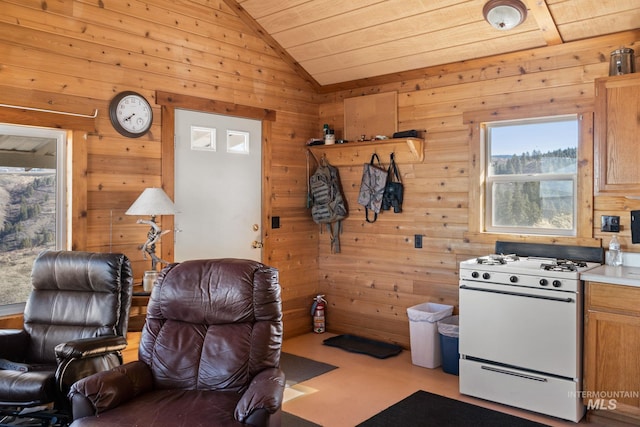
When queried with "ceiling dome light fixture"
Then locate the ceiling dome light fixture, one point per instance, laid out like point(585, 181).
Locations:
point(504, 14)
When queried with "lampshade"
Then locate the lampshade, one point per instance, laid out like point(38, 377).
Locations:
point(504, 14)
point(152, 201)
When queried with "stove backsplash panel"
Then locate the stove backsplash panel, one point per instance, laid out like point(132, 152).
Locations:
point(574, 253)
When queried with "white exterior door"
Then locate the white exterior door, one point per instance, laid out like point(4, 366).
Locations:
point(218, 186)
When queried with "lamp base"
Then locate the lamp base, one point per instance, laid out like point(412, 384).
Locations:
point(149, 279)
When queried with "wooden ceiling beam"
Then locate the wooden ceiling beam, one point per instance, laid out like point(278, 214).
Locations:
point(540, 12)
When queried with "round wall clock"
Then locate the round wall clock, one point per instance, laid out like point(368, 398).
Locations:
point(130, 114)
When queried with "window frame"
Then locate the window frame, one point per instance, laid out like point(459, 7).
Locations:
point(584, 195)
point(78, 128)
point(61, 204)
point(490, 179)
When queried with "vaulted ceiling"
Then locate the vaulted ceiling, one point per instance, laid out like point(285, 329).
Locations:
point(336, 41)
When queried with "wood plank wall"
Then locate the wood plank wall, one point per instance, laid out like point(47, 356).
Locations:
point(75, 55)
point(379, 273)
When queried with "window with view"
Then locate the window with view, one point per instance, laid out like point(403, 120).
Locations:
point(32, 205)
point(531, 176)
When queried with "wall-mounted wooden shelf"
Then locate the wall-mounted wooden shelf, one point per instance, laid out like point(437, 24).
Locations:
point(407, 150)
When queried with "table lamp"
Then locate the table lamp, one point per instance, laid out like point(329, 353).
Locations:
point(152, 202)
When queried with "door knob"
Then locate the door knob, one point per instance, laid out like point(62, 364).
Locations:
point(256, 244)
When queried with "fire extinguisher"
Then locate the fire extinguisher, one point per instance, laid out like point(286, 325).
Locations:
point(317, 311)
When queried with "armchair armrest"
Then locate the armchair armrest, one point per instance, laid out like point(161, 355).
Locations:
point(13, 344)
point(265, 392)
point(80, 358)
point(105, 390)
point(89, 347)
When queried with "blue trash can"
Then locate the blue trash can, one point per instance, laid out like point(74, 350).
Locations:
point(449, 331)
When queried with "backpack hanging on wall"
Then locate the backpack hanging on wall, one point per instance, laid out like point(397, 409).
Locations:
point(327, 202)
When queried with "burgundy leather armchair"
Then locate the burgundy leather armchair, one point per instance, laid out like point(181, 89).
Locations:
point(209, 353)
point(75, 324)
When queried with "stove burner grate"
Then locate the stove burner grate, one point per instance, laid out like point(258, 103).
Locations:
point(495, 259)
point(563, 265)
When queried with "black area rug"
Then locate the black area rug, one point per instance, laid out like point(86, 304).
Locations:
point(356, 344)
point(297, 368)
point(290, 420)
point(427, 409)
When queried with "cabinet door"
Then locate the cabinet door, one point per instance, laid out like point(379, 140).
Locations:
point(617, 134)
point(612, 344)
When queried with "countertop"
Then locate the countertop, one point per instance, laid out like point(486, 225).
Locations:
point(623, 275)
point(628, 274)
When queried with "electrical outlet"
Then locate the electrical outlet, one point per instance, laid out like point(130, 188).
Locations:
point(417, 241)
point(610, 223)
point(275, 222)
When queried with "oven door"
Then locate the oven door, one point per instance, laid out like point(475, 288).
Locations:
point(533, 329)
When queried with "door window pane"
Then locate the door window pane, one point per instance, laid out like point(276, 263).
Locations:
point(203, 138)
point(237, 142)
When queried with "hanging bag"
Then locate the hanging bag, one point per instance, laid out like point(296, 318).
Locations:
point(327, 201)
point(394, 190)
point(374, 180)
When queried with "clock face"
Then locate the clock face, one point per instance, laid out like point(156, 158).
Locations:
point(130, 114)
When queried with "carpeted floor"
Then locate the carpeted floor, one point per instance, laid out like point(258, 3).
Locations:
point(427, 409)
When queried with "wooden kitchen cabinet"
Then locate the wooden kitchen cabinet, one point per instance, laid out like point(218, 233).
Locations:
point(612, 354)
point(617, 134)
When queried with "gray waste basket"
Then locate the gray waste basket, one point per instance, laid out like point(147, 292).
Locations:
point(423, 329)
point(449, 331)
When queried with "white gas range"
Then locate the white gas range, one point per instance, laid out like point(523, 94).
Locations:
point(521, 326)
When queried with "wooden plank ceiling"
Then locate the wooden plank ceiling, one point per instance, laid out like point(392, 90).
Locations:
point(334, 41)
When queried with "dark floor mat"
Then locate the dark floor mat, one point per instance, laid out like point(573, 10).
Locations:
point(297, 368)
point(356, 344)
point(290, 420)
point(427, 409)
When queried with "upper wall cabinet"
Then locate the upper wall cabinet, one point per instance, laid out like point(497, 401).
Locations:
point(617, 134)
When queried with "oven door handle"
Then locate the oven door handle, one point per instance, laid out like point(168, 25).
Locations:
point(515, 374)
point(517, 294)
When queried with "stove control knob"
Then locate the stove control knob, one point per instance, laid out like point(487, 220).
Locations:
point(513, 279)
point(475, 274)
point(557, 283)
point(543, 282)
point(486, 276)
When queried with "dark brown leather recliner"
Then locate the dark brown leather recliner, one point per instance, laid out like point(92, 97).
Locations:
point(75, 324)
point(209, 353)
